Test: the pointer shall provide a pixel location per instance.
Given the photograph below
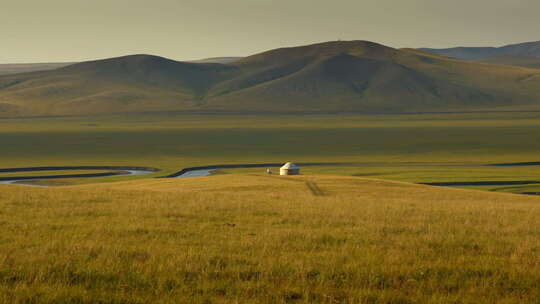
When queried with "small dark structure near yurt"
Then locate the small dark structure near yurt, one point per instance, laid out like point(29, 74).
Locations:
point(289, 169)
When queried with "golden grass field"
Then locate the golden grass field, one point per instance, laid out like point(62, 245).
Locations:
point(254, 238)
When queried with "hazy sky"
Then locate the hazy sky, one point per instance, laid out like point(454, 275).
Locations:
point(74, 30)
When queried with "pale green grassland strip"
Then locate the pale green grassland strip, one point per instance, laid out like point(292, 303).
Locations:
point(174, 141)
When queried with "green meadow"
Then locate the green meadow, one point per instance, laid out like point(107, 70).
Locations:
point(414, 148)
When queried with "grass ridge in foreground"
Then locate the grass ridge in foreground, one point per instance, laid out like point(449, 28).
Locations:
point(253, 238)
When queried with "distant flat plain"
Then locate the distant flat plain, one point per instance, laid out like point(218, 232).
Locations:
point(415, 148)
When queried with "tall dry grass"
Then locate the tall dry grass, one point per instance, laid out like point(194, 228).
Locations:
point(264, 239)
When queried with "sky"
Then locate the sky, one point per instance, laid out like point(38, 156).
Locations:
point(77, 30)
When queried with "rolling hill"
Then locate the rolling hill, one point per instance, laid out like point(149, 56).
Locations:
point(127, 84)
point(355, 76)
point(527, 49)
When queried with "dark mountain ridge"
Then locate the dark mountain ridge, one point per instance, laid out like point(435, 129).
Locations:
point(527, 49)
point(17, 68)
point(355, 76)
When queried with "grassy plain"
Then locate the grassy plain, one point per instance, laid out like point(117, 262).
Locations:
point(253, 238)
point(414, 148)
point(246, 237)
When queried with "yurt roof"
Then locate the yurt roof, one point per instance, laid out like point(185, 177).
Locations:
point(289, 166)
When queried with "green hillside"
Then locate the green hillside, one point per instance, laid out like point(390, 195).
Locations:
point(357, 76)
point(126, 84)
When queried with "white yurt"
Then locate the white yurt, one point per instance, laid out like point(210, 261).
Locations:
point(289, 169)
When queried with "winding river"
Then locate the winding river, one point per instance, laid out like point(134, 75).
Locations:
point(202, 171)
point(207, 170)
point(29, 180)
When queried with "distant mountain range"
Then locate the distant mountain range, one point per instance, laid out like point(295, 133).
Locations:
point(522, 54)
point(223, 60)
point(523, 61)
point(338, 76)
point(17, 68)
